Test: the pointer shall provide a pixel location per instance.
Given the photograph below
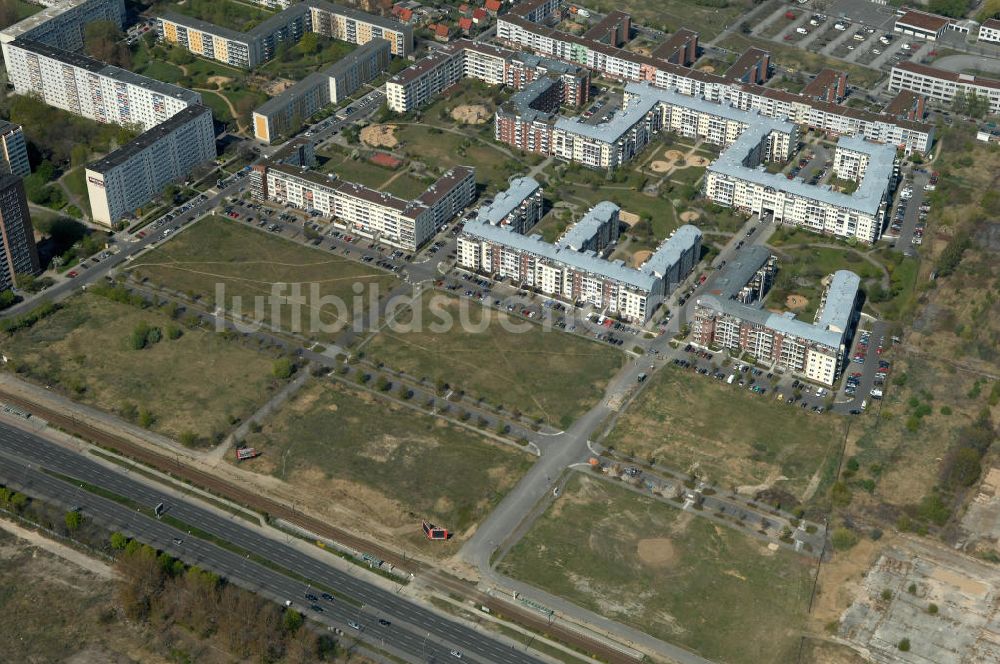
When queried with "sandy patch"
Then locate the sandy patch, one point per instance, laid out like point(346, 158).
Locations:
point(673, 155)
point(696, 160)
point(660, 166)
point(380, 136)
point(708, 69)
point(273, 88)
point(795, 301)
point(657, 552)
point(219, 80)
point(640, 257)
point(689, 216)
point(471, 114)
point(628, 218)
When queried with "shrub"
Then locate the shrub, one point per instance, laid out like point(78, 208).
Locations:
point(904, 645)
point(843, 538)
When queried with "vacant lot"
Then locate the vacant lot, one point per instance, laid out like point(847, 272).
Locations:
point(248, 263)
point(729, 436)
point(385, 462)
point(666, 572)
point(199, 382)
point(541, 373)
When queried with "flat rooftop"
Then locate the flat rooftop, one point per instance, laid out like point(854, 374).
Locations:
point(30, 23)
point(148, 138)
point(507, 201)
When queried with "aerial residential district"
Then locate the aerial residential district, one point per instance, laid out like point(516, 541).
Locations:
point(501, 331)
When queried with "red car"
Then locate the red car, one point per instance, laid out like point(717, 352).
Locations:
point(72, 273)
point(141, 234)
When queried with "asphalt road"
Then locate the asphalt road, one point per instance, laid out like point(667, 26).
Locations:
point(420, 633)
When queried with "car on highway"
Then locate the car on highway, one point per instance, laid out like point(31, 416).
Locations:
point(327, 596)
point(384, 622)
point(317, 608)
point(354, 625)
point(456, 654)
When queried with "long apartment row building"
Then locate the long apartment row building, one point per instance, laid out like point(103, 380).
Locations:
point(944, 85)
point(284, 113)
point(668, 67)
point(731, 315)
point(573, 268)
point(420, 83)
point(258, 45)
point(373, 214)
point(178, 129)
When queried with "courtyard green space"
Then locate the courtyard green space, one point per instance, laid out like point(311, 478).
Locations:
point(728, 436)
point(444, 149)
point(230, 14)
point(311, 53)
point(670, 573)
point(199, 382)
point(247, 263)
point(543, 374)
point(384, 461)
point(355, 167)
point(803, 268)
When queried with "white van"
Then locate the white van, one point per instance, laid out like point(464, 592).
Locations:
point(864, 404)
point(731, 378)
point(802, 31)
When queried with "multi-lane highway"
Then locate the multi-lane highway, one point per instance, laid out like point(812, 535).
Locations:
point(416, 631)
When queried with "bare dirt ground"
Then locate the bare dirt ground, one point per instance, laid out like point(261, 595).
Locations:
point(657, 552)
point(66, 553)
point(696, 160)
point(640, 257)
point(219, 80)
point(708, 69)
point(690, 216)
point(380, 136)
point(628, 218)
point(795, 301)
point(473, 114)
point(276, 87)
point(660, 166)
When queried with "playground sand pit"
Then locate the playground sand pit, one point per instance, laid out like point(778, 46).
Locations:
point(657, 552)
point(708, 69)
point(695, 160)
point(638, 258)
point(660, 166)
point(218, 80)
point(380, 136)
point(471, 114)
point(794, 301)
point(690, 216)
point(673, 155)
point(628, 218)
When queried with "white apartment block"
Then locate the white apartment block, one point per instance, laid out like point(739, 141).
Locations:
point(573, 268)
point(989, 31)
point(737, 180)
point(129, 177)
point(373, 214)
point(61, 24)
point(943, 85)
point(83, 86)
point(13, 150)
point(518, 28)
point(815, 351)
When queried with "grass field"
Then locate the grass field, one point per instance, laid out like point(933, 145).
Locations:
point(385, 462)
point(220, 109)
point(297, 62)
point(199, 382)
point(443, 150)
point(802, 269)
point(248, 263)
point(669, 573)
point(398, 182)
point(732, 436)
point(670, 15)
point(543, 374)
